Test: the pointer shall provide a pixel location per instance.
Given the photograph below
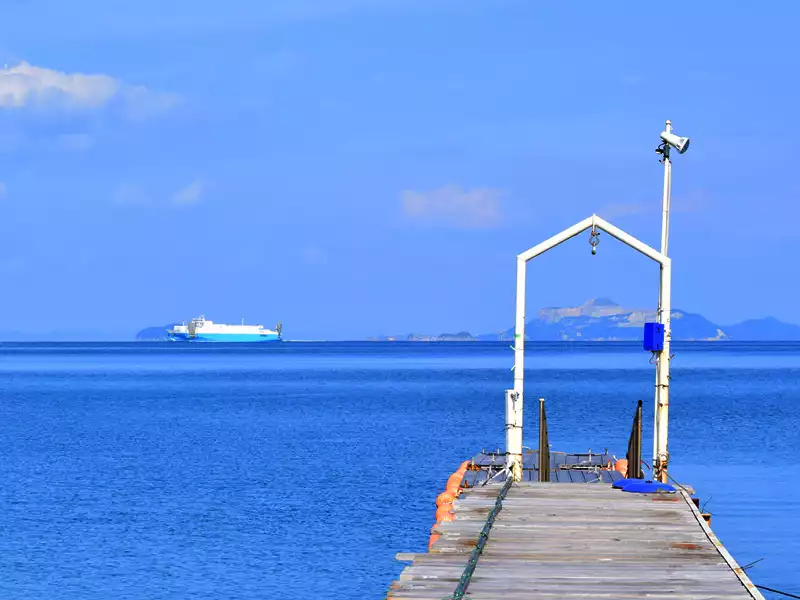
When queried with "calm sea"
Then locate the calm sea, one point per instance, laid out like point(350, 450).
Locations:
point(300, 470)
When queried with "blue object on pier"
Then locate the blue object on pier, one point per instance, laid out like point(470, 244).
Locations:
point(624, 482)
point(654, 337)
point(638, 486)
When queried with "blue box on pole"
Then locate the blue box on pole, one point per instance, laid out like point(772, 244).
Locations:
point(654, 337)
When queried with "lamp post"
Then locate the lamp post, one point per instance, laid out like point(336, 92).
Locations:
point(667, 194)
point(661, 418)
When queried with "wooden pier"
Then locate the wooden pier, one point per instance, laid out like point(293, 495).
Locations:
point(516, 524)
point(582, 539)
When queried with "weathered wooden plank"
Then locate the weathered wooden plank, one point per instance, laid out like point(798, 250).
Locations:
point(584, 540)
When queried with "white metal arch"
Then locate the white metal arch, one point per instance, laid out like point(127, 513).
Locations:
point(515, 397)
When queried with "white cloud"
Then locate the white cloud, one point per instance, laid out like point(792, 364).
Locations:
point(3, 190)
point(191, 194)
point(130, 195)
point(26, 85)
point(451, 205)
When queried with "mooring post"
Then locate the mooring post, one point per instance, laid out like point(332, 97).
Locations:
point(544, 445)
point(634, 454)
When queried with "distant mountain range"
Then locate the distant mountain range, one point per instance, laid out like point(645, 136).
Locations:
point(154, 334)
point(464, 336)
point(598, 319)
point(601, 319)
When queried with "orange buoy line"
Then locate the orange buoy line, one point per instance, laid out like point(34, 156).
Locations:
point(444, 501)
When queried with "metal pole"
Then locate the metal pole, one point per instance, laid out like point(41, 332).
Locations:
point(664, 317)
point(661, 458)
point(515, 397)
point(544, 445)
point(667, 196)
point(514, 434)
point(637, 469)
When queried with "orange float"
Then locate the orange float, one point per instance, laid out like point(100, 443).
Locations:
point(444, 501)
point(621, 466)
point(445, 497)
point(444, 511)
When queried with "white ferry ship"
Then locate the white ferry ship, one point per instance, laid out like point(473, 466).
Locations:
point(204, 330)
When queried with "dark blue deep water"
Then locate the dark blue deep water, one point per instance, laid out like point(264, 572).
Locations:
point(299, 470)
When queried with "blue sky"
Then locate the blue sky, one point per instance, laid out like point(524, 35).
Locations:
point(355, 167)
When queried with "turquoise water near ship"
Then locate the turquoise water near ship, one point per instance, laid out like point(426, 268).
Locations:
point(298, 470)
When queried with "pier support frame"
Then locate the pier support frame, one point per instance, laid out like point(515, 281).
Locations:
point(515, 398)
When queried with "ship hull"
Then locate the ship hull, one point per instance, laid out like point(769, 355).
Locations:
point(225, 337)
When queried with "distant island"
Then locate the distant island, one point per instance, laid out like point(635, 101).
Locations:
point(596, 320)
point(463, 336)
point(154, 334)
point(602, 320)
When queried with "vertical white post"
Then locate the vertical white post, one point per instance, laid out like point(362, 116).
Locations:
point(660, 423)
point(661, 458)
point(515, 397)
point(514, 434)
point(666, 197)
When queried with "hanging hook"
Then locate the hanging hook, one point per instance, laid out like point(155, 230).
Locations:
point(594, 239)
